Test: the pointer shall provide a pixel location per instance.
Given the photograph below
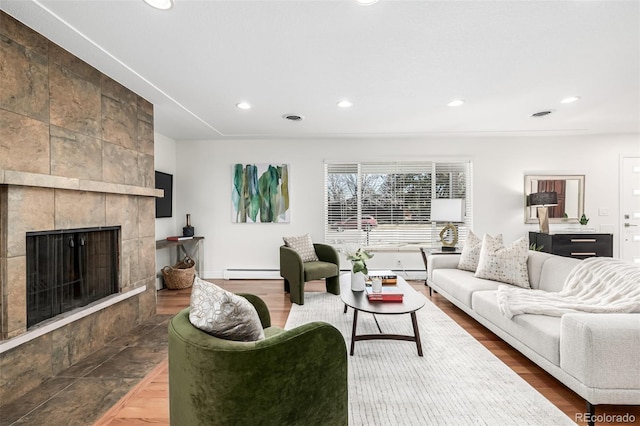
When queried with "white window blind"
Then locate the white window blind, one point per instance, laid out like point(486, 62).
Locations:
point(388, 204)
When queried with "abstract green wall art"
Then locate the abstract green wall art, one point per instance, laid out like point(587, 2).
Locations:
point(260, 193)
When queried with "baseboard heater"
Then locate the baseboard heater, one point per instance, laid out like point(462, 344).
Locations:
point(274, 274)
point(251, 274)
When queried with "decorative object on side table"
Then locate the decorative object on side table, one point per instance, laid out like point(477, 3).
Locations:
point(542, 200)
point(450, 211)
point(358, 268)
point(188, 231)
point(583, 221)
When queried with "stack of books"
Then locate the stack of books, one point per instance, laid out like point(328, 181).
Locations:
point(388, 294)
point(179, 238)
point(387, 279)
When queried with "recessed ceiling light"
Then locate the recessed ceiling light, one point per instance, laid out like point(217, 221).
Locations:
point(540, 113)
point(345, 104)
point(366, 2)
point(160, 4)
point(243, 105)
point(455, 102)
point(569, 99)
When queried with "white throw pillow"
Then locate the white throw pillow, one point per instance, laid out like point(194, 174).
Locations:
point(223, 314)
point(303, 246)
point(471, 252)
point(504, 264)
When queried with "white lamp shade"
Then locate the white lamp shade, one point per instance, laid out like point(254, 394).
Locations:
point(447, 210)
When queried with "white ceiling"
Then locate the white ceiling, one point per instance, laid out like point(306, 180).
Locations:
point(399, 62)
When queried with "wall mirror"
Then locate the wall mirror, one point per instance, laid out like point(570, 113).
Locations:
point(570, 189)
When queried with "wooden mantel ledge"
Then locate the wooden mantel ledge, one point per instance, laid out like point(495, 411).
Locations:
point(12, 177)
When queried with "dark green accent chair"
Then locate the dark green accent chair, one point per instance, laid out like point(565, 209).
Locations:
point(296, 272)
point(292, 377)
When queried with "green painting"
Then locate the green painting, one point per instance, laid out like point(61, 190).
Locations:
point(260, 193)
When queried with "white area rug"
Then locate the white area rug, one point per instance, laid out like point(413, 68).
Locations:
point(457, 381)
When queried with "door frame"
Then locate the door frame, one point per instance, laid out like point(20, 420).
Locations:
point(621, 220)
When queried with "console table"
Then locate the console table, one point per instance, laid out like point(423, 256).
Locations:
point(181, 249)
point(579, 245)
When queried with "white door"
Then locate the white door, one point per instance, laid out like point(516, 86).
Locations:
point(630, 209)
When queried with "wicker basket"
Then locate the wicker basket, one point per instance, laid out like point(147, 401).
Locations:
point(180, 275)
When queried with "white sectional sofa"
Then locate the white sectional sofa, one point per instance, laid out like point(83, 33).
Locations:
point(595, 355)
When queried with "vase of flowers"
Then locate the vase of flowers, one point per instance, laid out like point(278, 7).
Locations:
point(359, 269)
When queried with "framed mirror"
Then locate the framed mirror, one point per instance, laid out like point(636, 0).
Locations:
point(570, 190)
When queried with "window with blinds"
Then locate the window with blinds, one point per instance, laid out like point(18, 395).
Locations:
point(387, 205)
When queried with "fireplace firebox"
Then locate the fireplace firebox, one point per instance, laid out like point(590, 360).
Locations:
point(68, 269)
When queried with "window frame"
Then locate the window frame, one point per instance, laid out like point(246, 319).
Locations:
point(409, 234)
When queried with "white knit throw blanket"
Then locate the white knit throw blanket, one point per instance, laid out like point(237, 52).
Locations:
point(597, 284)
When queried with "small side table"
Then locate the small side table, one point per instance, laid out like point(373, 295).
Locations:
point(180, 247)
point(426, 252)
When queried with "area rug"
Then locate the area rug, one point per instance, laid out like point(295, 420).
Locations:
point(457, 381)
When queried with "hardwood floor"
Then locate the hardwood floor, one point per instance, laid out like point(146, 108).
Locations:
point(148, 401)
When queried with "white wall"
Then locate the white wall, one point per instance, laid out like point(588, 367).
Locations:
point(165, 161)
point(202, 186)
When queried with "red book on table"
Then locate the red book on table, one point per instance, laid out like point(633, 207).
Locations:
point(178, 238)
point(388, 294)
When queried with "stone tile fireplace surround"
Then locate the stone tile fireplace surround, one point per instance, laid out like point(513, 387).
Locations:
point(76, 151)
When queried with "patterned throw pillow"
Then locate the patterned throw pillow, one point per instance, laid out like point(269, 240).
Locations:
point(303, 246)
point(471, 252)
point(504, 264)
point(223, 314)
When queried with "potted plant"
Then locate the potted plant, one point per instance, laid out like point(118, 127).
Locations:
point(583, 221)
point(359, 269)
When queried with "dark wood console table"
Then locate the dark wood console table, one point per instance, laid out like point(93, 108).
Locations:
point(181, 249)
point(579, 245)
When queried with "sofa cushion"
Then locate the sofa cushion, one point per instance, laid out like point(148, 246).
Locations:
point(223, 314)
point(471, 252)
point(504, 264)
point(535, 262)
point(461, 284)
point(541, 333)
point(303, 245)
point(555, 271)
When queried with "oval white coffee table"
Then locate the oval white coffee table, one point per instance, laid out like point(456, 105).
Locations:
point(412, 301)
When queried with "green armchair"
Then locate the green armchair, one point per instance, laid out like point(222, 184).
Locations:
point(292, 377)
point(296, 272)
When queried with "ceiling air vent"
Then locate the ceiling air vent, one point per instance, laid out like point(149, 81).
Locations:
point(540, 114)
point(293, 117)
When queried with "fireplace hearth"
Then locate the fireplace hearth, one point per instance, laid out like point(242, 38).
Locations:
point(68, 269)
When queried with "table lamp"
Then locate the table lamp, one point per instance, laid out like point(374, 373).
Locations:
point(448, 210)
point(541, 200)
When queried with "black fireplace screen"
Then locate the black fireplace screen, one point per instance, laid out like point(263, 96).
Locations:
point(68, 269)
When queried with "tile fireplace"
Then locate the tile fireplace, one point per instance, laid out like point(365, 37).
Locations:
point(76, 153)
